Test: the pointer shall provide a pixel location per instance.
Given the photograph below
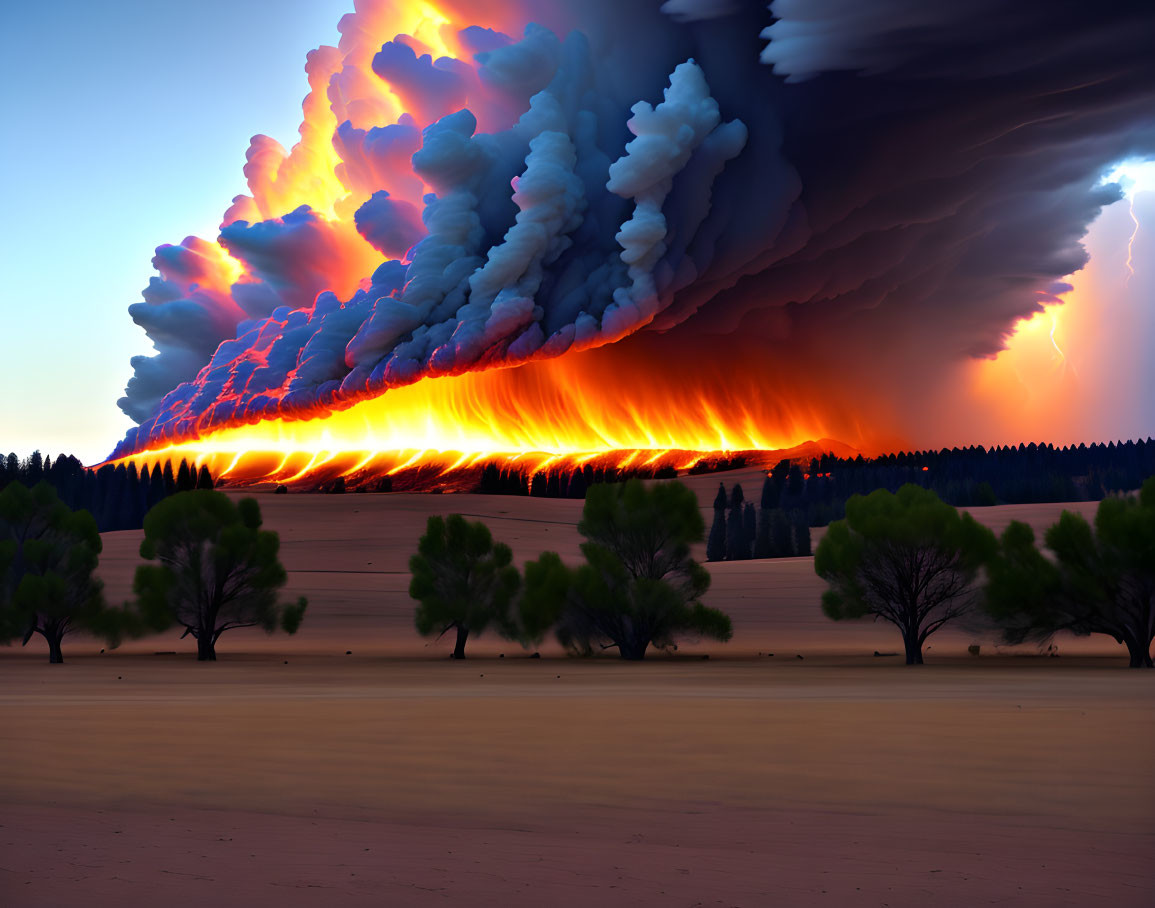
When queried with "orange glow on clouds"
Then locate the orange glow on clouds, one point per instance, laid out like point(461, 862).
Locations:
point(1066, 373)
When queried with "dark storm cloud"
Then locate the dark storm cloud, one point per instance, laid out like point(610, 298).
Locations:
point(821, 179)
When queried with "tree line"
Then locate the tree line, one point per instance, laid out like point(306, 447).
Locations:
point(905, 557)
point(913, 560)
point(208, 567)
point(116, 495)
point(740, 531)
point(560, 482)
point(964, 477)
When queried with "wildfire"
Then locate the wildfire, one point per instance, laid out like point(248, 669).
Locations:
point(539, 417)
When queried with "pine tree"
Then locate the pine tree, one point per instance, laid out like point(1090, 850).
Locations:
point(204, 478)
point(801, 532)
point(763, 542)
point(736, 543)
point(716, 543)
point(763, 545)
point(781, 536)
point(577, 485)
point(122, 510)
point(749, 528)
point(156, 487)
point(34, 469)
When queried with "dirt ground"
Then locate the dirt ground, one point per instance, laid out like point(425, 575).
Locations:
point(293, 774)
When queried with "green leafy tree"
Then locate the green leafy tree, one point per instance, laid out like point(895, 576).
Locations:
point(639, 586)
point(216, 570)
point(48, 556)
point(907, 558)
point(1102, 579)
point(462, 580)
point(542, 602)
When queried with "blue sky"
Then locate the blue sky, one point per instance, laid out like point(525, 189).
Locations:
point(125, 127)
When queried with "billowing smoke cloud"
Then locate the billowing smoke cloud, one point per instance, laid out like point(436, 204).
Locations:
point(845, 199)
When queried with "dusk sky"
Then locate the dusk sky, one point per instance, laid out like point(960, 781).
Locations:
point(117, 99)
point(129, 129)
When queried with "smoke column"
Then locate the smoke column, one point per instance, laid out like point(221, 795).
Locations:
point(810, 212)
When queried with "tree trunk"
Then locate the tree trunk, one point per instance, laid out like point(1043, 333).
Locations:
point(913, 649)
point(1139, 652)
point(634, 650)
point(55, 656)
point(459, 647)
point(206, 648)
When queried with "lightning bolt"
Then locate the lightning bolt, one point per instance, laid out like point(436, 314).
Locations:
point(1131, 241)
point(1054, 343)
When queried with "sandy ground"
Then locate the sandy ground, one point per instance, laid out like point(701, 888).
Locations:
point(290, 773)
point(141, 780)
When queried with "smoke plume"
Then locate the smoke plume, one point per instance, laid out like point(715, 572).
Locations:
point(831, 202)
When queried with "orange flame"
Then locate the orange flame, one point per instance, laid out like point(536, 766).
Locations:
point(540, 416)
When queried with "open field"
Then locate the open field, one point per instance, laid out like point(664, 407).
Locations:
point(350, 553)
point(291, 773)
point(146, 780)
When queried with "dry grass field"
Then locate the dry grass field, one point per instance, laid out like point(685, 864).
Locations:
point(290, 773)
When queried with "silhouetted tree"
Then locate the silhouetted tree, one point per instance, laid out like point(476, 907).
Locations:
point(185, 478)
point(801, 532)
point(1102, 580)
point(795, 486)
point(907, 558)
point(34, 472)
point(763, 545)
point(204, 478)
point(639, 585)
point(737, 546)
point(749, 528)
point(781, 534)
point(716, 543)
point(217, 569)
point(156, 487)
point(577, 485)
point(462, 580)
